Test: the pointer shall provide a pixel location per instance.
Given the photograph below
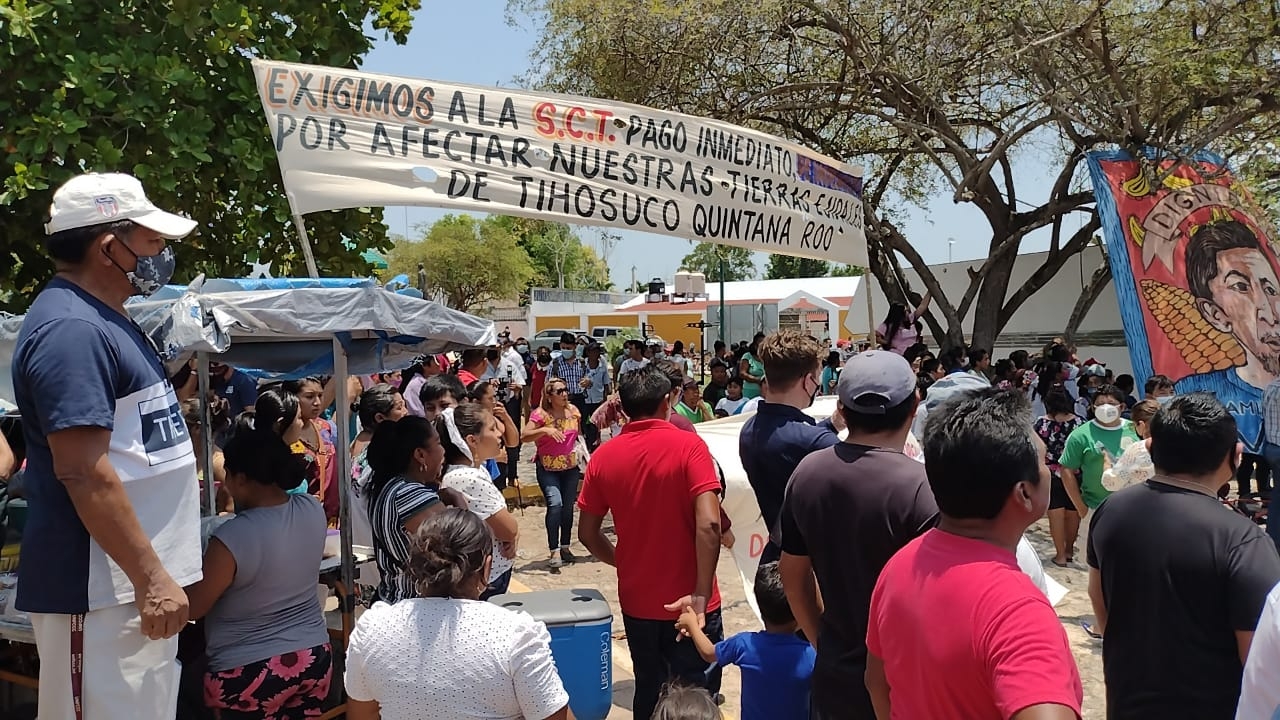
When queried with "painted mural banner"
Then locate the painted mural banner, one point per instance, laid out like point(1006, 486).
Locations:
point(350, 139)
point(1193, 260)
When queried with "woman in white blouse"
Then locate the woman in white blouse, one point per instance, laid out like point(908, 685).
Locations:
point(471, 435)
point(1134, 465)
point(445, 655)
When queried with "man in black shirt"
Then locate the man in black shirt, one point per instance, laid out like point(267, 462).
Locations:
point(1177, 580)
point(846, 511)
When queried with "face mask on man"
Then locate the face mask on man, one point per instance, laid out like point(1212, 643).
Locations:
point(1164, 399)
point(152, 271)
point(522, 349)
point(569, 353)
point(1106, 414)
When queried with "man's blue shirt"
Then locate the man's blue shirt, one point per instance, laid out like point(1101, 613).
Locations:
point(1243, 401)
point(772, 444)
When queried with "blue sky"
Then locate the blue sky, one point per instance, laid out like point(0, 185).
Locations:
point(500, 53)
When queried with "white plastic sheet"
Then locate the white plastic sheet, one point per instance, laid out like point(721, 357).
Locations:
point(749, 529)
point(289, 331)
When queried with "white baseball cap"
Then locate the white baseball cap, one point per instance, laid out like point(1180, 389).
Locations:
point(97, 198)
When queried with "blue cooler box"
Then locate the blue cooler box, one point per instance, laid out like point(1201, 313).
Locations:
point(581, 627)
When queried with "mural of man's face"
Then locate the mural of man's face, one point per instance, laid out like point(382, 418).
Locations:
point(1246, 303)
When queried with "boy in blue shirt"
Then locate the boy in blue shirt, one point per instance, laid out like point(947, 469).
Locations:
point(776, 664)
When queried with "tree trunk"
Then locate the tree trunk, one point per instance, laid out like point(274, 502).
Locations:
point(1089, 294)
point(991, 296)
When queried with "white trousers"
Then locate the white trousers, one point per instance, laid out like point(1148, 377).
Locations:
point(126, 675)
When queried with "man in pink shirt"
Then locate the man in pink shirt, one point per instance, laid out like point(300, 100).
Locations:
point(956, 629)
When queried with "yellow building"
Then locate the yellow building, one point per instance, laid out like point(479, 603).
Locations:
point(817, 305)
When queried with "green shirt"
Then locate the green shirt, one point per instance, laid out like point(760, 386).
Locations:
point(1084, 453)
point(756, 368)
point(693, 415)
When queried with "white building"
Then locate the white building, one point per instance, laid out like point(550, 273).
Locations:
point(821, 305)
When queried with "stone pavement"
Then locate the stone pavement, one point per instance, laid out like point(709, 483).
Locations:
point(533, 573)
point(1074, 608)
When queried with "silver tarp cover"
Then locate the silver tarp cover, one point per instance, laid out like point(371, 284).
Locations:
point(289, 332)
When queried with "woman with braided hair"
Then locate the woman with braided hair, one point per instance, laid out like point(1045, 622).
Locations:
point(445, 654)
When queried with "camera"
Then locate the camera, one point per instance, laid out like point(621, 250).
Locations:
point(503, 391)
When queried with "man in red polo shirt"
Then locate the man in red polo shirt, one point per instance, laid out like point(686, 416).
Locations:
point(471, 365)
point(660, 484)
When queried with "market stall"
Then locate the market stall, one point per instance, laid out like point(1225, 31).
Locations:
point(286, 329)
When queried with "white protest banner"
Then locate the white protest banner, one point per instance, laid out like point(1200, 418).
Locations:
point(352, 139)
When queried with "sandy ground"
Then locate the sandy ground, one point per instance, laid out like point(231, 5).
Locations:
point(532, 572)
point(1074, 608)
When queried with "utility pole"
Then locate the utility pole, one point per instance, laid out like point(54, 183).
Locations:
point(722, 319)
point(633, 278)
point(702, 326)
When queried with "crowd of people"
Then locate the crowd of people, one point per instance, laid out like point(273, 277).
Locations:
point(893, 584)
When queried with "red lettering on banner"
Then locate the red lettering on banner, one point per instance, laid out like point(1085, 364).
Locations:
point(560, 123)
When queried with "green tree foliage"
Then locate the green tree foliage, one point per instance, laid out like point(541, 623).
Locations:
point(471, 262)
point(705, 258)
point(164, 90)
point(847, 271)
point(786, 266)
point(942, 96)
point(560, 259)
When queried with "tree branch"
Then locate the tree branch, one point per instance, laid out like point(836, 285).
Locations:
point(1089, 294)
point(1050, 267)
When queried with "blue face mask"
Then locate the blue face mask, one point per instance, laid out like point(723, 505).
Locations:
point(570, 353)
point(522, 349)
point(152, 271)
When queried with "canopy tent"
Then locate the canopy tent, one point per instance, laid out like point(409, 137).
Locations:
point(285, 327)
point(805, 300)
point(291, 328)
point(375, 259)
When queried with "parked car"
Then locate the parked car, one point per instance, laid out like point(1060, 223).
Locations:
point(551, 338)
point(602, 332)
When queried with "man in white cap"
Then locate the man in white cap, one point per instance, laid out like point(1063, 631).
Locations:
point(113, 534)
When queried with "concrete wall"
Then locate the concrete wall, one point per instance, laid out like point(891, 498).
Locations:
point(1045, 312)
point(557, 322)
point(672, 327)
point(627, 320)
point(1041, 317)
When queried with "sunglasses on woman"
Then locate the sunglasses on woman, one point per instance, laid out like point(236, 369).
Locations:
point(560, 391)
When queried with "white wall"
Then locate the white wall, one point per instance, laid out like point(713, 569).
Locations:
point(543, 308)
point(1044, 313)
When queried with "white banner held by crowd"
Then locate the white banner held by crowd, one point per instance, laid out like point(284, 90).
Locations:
point(353, 139)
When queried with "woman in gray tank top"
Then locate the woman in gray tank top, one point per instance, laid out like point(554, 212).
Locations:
point(266, 637)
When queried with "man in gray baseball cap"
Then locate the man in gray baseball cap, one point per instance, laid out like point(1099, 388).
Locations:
point(846, 511)
point(874, 382)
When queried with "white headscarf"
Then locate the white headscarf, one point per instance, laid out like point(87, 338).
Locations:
point(454, 435)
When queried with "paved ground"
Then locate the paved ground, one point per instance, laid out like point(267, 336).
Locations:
point(532, 572)
point(1073, 609)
